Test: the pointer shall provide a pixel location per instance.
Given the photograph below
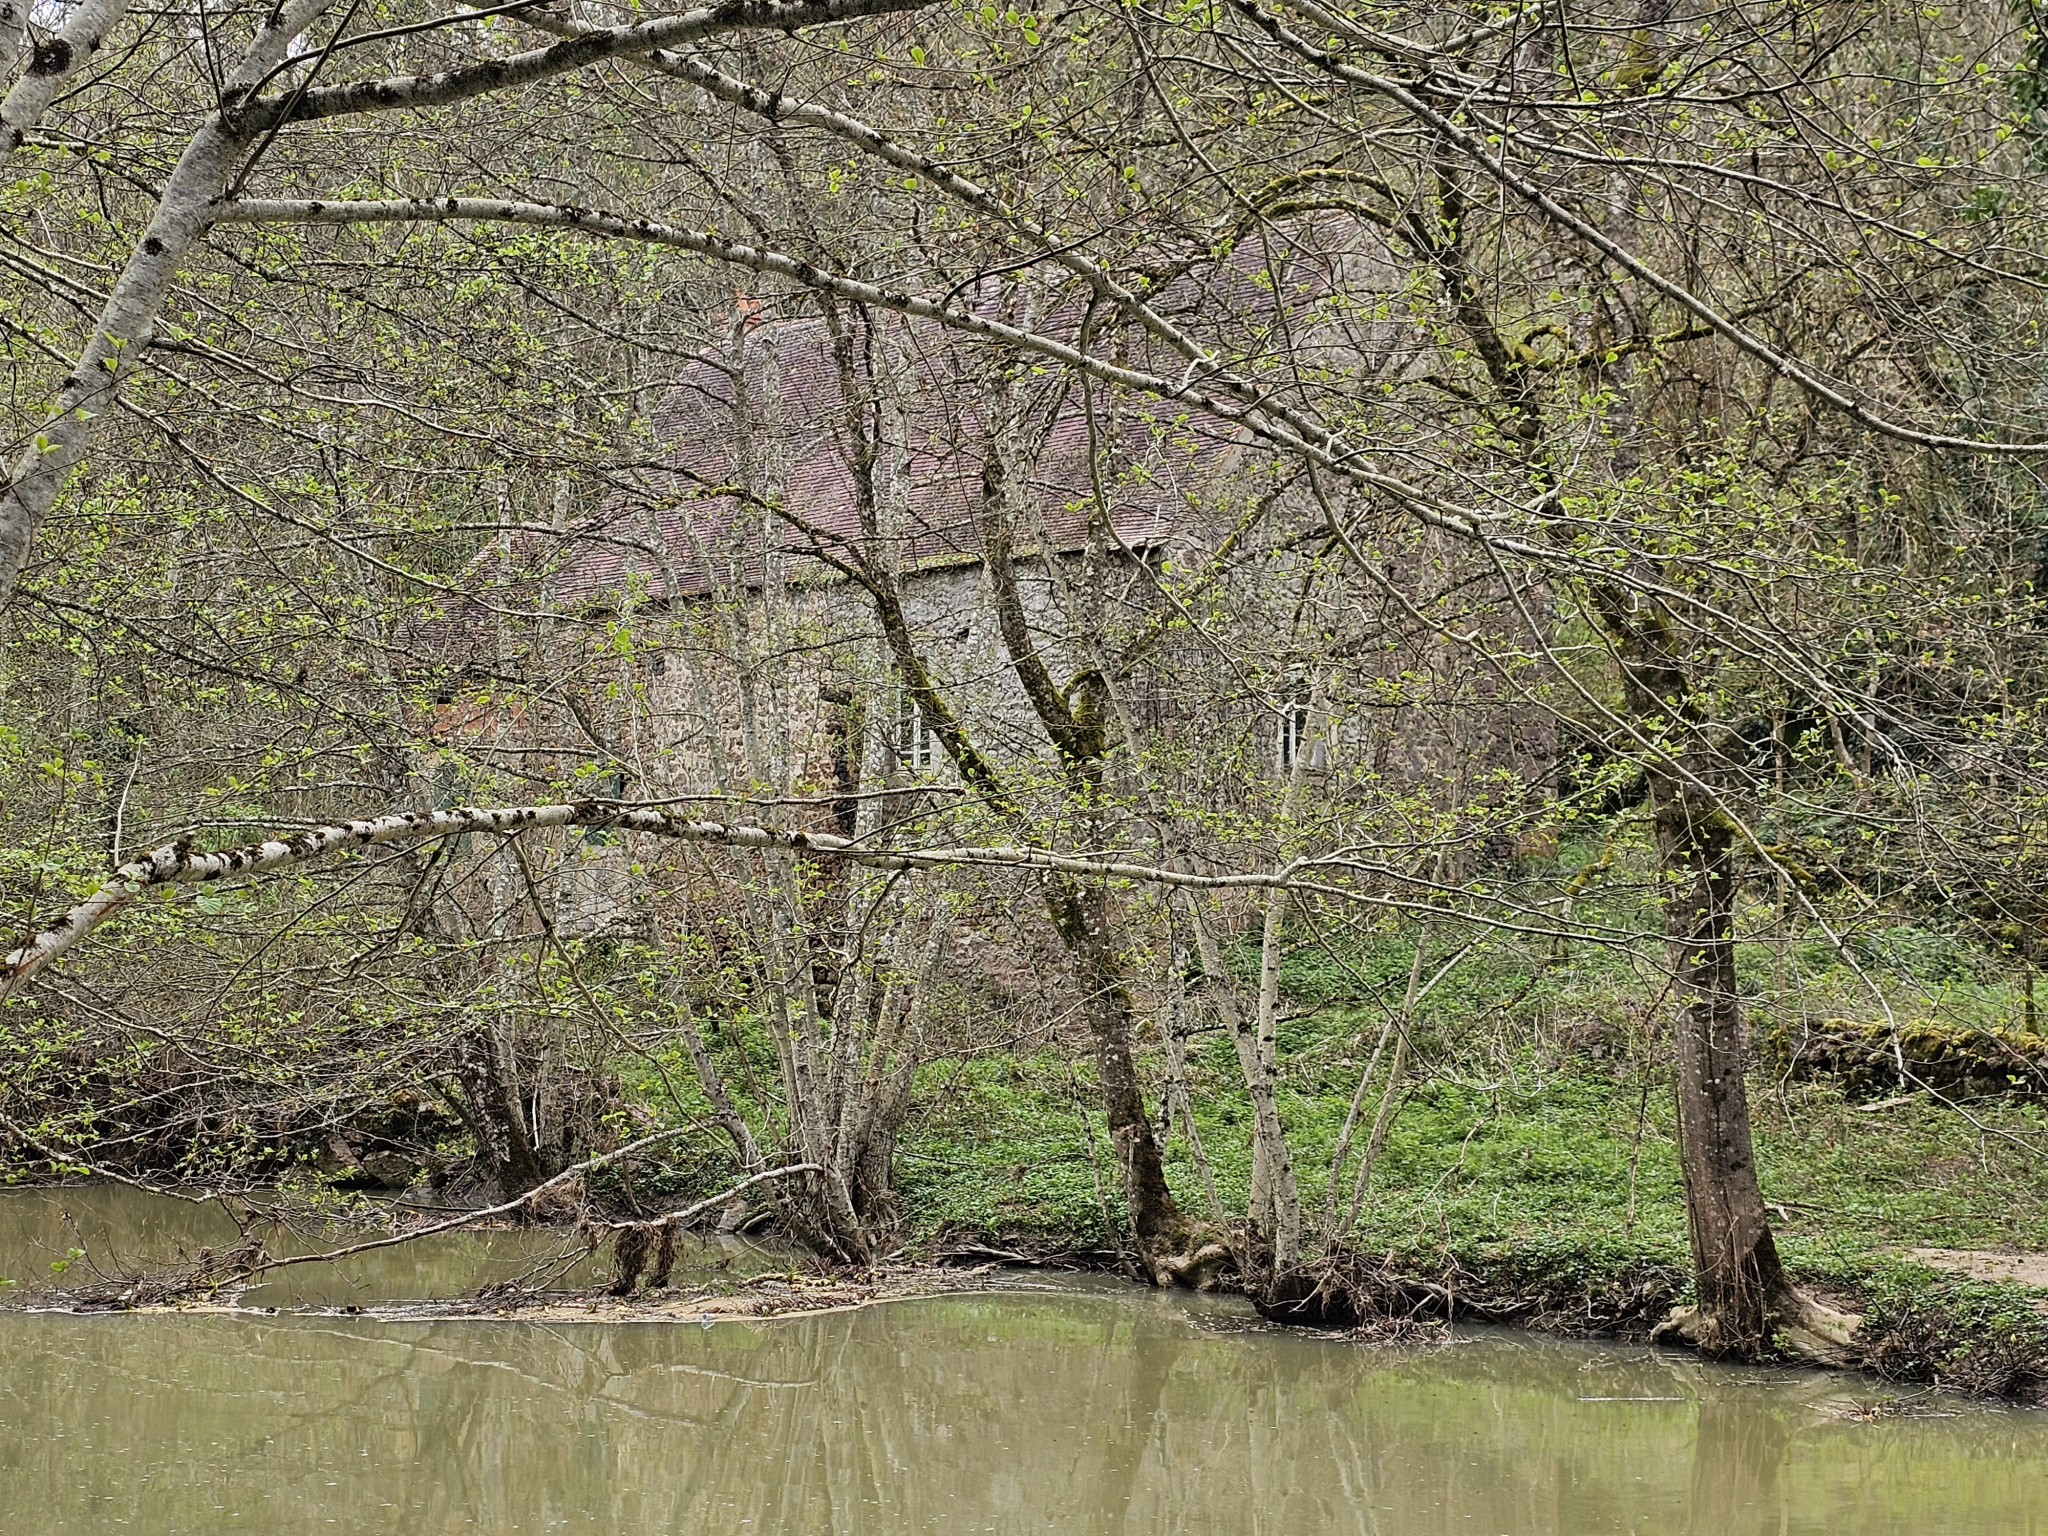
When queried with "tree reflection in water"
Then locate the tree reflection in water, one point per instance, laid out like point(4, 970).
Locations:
point(1093, 1410)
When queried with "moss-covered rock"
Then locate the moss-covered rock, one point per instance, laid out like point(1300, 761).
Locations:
point(1962, 1060)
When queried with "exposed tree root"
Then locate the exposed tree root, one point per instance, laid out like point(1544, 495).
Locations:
point(1961, 1335)
point(1197, 1270)
point(1352, 1293)
point(1799, 1328)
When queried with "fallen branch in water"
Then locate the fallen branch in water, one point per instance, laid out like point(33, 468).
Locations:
point(650, 1246)
point(209, 1271)
point(691, 1212)
point(470, 1218)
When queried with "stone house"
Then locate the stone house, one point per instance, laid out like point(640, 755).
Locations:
point(716, 593)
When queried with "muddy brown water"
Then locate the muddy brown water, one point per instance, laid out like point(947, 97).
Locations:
point(1087, 1407)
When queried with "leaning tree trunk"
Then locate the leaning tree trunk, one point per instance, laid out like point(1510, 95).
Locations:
point(1745, 1301)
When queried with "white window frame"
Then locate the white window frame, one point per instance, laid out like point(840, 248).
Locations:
point(917, 748)
point(1291, 731)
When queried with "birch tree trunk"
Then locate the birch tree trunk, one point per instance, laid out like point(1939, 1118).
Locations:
point(185, 211)
point(51, 65)
point(13, 33)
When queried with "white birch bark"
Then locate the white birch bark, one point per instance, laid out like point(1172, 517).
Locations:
point(13, 32)
point(774, 903)
point(179, 864)
point(1275, 1196)
point(1375, 1143)
point(51, 64)
point(1283, 1196)
point(1273, 1206)
point(183, 213)
point(190, 203)
point(489, 76)
point(683, 644)
point(895, 1052)
point(1174, 1037)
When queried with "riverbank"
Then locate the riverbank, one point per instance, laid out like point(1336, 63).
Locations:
point(1528, 1175)
point(1549, 1198)
point(1969, 1321)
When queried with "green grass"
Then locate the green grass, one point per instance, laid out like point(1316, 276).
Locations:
point(1010, 1146)
point(1572, 1155)
point(1535, 1138)
point(1537, 1141)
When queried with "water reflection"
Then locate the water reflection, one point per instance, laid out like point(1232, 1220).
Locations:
point(1095, 1409)
point(1738, 1454)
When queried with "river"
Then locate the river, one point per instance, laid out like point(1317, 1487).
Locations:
point(1085, 1406)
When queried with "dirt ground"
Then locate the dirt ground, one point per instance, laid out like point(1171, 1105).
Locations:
point(1985, 1263)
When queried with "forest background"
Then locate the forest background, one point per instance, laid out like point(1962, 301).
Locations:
point(1656, 383)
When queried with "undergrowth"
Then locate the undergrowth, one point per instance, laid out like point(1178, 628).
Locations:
point(1530, 1169)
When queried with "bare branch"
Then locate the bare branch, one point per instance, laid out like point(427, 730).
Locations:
point(1260, 414)
point(1474, 146)
point(405, 92)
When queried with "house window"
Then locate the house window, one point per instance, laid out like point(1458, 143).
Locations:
point(1293, 732)
point(917, 749)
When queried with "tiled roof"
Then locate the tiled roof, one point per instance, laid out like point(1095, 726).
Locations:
point(766, 414)
point(780, 429)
